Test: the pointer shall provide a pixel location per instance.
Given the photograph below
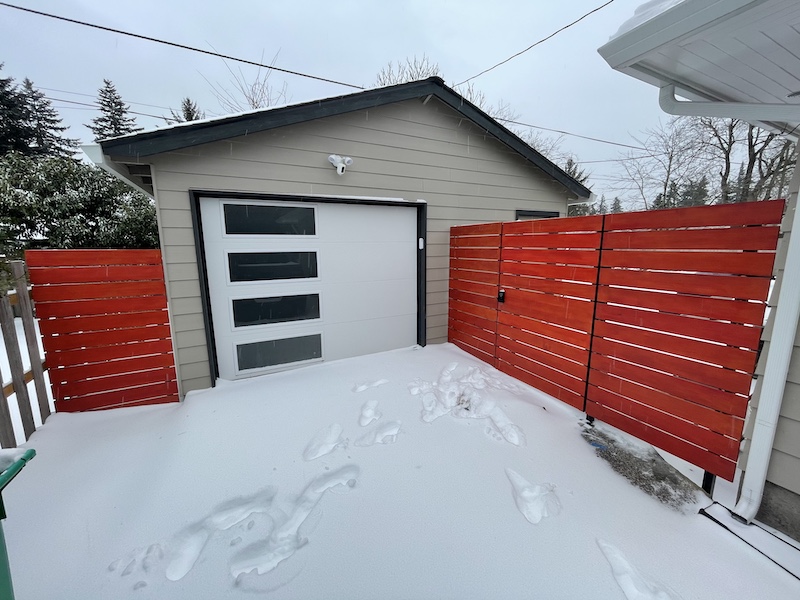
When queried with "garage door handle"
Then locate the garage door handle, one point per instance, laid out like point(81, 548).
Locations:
point(501, 296)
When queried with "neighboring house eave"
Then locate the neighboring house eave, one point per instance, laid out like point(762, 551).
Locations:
point(135, 147)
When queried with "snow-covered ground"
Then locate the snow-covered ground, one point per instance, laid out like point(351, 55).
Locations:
point(417, 473)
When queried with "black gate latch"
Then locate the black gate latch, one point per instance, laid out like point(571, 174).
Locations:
point(501, 296)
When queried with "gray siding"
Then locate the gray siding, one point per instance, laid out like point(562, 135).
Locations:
point(784, 468)
point(408, 150)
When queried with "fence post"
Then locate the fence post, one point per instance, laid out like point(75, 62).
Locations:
point(15, 363)
point(31, 338)
point(7, 438)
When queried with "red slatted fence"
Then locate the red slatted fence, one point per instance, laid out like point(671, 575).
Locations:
point(474, 273)
point(105, 327)
point(648, 321)
point(680, 309)
point(548, 273)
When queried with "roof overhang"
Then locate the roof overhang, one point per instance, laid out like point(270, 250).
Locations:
point(137, 148)
point(728, 58)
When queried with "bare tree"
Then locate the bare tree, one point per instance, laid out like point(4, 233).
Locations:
point(412, 69)
point(673, 157)
point(244, 94)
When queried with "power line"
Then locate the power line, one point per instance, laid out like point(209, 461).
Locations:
point(133, 112)
point(544, 39)
point(176, 45)
point(561, 131)
point(95, 95)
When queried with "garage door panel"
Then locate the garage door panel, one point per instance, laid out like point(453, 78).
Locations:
point(347, 303)
point(344, 340)
point(368, 262)
point(364, 223)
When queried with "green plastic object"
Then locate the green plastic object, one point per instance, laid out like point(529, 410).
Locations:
point(6, 588)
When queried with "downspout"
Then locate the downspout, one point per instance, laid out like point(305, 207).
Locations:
point(787, 311)
point(787, 307)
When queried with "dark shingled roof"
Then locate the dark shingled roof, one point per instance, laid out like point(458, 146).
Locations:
point(140, 145)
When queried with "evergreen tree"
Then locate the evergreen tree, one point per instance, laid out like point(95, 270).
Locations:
point(694, 193)
point(46, 126)
point(113, 119)
point(58, 202)
point(188, 112)
point(616, 205)
point(15, 129)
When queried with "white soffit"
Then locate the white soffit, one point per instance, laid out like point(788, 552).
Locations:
point(740, 51)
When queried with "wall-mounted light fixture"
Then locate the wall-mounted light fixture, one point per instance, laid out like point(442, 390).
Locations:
point(340, 162)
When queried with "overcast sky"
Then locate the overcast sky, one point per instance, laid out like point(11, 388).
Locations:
point(561, 84)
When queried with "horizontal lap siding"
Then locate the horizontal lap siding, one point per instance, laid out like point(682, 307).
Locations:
point(105, 327)
point(680, 310)
point(474, 264)
point(406, 150)
point(548, 274)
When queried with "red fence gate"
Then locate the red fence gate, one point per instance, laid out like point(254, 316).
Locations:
point(105, 327)
point(648, 321)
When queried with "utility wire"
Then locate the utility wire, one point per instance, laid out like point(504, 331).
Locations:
point(95, 96)
point(585, 137)
point(176, 45)
point(544, 39)
point(133, 112)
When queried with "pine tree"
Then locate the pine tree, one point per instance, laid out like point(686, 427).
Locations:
point(113, 119)
point(46, 126)
point(15, 129)
point(188, 112)
point(616, 205)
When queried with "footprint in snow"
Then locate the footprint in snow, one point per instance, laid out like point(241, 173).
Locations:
point(262, 557)
point(361, 387)
point(633, 584)
point(325, 441)
point(385, 433)
point(369, 413)
point(534, 501)
point(183, 550)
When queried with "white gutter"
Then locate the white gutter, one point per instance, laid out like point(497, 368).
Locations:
point(787, 311)
point(732, 110)
point(787, 307)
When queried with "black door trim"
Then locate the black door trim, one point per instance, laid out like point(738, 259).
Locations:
point(205, 298)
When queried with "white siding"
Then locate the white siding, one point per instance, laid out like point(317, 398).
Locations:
point(408, 150)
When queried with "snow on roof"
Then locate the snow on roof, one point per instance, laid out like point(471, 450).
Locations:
point(645, 12)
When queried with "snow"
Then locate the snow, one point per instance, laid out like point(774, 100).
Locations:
point(645, 12)
point(213, 498)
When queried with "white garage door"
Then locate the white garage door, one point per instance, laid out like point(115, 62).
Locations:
point(295, 283)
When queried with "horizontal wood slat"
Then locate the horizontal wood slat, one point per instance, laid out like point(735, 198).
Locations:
point(724, 286)
point(154, 393)
point(725, 215)
point(735, 263)
point(107, 274)
point(590, 224)
point(91, 258)
point(565, 241)
point(105, 327)
point(560, 257)
point(739, 238)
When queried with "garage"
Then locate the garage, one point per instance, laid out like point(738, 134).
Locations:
point(293, 281)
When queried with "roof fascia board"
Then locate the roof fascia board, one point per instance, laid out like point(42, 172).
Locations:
point(669, 27)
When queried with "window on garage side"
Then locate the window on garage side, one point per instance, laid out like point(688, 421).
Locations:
point(266, 266)
point(278, 352)
point(275, 309)
point(523, 215)
point(256, 219)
